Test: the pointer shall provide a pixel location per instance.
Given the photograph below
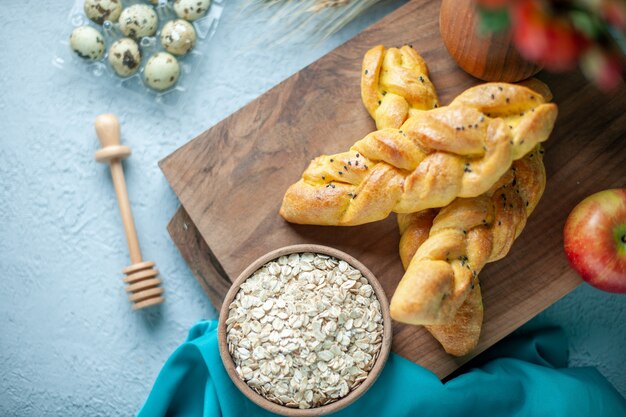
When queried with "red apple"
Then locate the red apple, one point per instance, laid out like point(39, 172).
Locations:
point(595, 240)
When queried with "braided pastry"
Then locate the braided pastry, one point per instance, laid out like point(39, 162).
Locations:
point(459, 150)
point(464, 236)
point(459, 336)
point(395, 85)
point(391, 109)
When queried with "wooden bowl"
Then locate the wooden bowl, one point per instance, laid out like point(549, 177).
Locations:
point(353, 395)
point(491, 57)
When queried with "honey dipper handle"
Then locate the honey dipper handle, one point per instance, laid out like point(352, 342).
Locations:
point(108, 129)
point(117, 173)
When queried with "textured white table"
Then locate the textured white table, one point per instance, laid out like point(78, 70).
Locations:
point(69, 342)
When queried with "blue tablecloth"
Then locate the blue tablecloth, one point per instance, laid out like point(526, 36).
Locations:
point(524, 375)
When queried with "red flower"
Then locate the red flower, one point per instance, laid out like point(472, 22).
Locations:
point(614, 11)
point(604, 68)
point(547, 40)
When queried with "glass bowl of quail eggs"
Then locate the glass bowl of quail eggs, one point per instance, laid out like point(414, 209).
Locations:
point(150, 46)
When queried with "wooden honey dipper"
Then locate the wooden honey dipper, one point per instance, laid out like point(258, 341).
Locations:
point(141, 275)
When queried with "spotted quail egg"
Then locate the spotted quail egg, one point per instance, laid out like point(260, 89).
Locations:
point(138, 20)
point(178, 37)
point(191, 9)
point(101, 10)
point(161, 71)
point(87, 42)
point(125, 57)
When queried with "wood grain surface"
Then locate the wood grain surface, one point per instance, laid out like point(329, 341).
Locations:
point(488, 56)
point(231, 179)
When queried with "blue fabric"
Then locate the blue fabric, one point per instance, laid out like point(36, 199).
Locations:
point(525, 375)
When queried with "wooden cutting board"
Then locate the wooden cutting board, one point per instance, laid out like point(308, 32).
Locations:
point(231, 179)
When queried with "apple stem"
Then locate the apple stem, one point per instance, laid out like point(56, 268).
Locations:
point(624, 238)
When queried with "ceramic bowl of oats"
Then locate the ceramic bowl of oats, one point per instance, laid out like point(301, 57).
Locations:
point(305, 330)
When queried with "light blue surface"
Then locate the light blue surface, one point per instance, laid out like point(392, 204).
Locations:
point(69, 342)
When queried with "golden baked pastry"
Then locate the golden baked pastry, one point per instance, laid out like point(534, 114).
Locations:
point(464, 236)
point(395, 85)
point(459, 336)
point(459, 150)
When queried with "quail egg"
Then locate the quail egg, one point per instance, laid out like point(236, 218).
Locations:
point(87, 42)
point(191, 9)
point(138, 20)
point(125, 57)
point(161, 71)
point(101, 10)
point(178, 37)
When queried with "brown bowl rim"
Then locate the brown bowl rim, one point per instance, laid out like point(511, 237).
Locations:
point(353, 395)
